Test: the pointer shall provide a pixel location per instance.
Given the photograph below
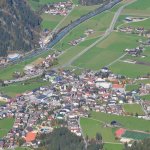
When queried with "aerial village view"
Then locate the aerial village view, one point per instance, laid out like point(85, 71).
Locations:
point(75, 74)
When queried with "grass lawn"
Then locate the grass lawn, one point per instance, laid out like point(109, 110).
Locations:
point(5, 126)
point(129, 70)
point(128, 122)
point(18, 88)
point(106, 51)
point(145, 97)
point(133, 108)
point(91, 127)
point(132, 87)
point(113, 146)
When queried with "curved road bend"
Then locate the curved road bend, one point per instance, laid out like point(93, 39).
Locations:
point(108, 31)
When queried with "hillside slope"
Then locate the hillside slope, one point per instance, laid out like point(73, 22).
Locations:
point(19, 26)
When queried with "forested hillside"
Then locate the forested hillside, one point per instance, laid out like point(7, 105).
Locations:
point(19, 26)
point(91, 2)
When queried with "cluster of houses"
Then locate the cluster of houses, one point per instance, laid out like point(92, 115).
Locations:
point(141, 31)
point(36, 68)
point(134, 51)
point(134, 19)
point(62, 103)
point(87, 33)
point(60, 8)
point(76, 41)
point(144, 89)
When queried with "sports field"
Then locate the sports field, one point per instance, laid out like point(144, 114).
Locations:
point(5, 126)
point(136, 135)
point(133, 109)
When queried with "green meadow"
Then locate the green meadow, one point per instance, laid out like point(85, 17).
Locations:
point(128, 122)
point(130, 70)
point(5, 126)
point(133, 108)
point(106, 51)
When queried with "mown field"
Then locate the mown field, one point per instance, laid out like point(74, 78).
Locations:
point(5, 126)
point(132, 123)
point(140, 7)
point(130, 70)
point(91, 127)
point(107, 51)
point(133, 109)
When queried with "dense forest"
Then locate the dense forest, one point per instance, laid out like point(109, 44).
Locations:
point(19, 26)
point(63, 139)
point(91, 2)
point(142, 145)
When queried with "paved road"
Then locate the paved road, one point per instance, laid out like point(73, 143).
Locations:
point(108, 31)
point(85, 142)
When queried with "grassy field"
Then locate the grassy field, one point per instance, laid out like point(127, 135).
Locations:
point(18, 88)
point(5, 126)
point(127, 122)
point(50, 21)
point(140, 7)
point(65, 58)
point(113, 146)
point(130, 70)
point(106, 51)
point(132, 87)
point(133, 108)
point(146, 97)
point(91, 127)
